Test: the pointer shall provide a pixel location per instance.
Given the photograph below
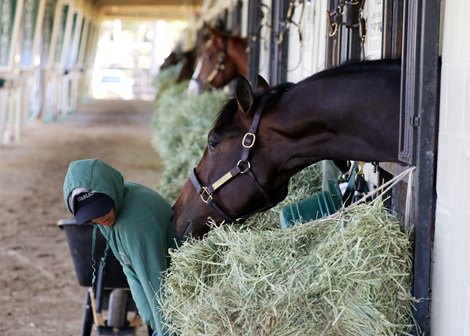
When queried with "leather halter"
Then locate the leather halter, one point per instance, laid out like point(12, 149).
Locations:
point(219, 67)
point(243, 167)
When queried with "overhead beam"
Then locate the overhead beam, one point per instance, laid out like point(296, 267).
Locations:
point(157, 3)
point(144, 12)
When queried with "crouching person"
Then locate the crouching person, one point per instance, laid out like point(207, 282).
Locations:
point(136, 222)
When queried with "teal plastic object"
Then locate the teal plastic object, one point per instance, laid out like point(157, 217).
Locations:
point(320, 204)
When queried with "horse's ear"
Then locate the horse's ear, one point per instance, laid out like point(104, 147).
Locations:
point(244, 94)
point(210, 29)
point(236, 32)
point(261, 83)
point(213, 34)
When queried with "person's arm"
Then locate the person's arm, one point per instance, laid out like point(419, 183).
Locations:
point(148, 257)
point(139, 297)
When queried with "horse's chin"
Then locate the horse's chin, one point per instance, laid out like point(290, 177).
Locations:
point(192, 229)
point(182, 234)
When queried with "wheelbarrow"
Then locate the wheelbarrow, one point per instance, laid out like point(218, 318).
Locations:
point(109, 291)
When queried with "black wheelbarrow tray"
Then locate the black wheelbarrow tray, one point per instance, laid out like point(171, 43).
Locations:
point(110, 292)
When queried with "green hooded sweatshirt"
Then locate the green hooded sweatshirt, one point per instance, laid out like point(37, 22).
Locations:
point(141, 235)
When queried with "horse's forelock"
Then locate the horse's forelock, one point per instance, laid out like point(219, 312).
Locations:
point(225, 115)
point(267, 98)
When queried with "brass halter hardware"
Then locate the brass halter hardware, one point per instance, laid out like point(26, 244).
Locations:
point(243, 167)
point(248, 140)
point(219, 67)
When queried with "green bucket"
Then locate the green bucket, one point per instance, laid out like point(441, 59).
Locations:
point(320, 204)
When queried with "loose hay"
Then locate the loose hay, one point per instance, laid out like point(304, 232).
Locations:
point(303, 184)
point(180, 125)
point(344, 275)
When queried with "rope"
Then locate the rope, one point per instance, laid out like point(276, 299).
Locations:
point(93, 249)
point(105, 253)
point(384, 188)
point(93, 262)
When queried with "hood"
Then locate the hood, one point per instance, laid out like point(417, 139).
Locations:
point(93, 175)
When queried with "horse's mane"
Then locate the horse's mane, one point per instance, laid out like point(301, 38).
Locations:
point(225, 115)
point(273, 94)
point(227, 35)
point(355, 66)
point(269, 96)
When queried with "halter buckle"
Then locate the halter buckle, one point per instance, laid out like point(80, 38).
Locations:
point(205, 196)
point(248, 140)
point(242, 163)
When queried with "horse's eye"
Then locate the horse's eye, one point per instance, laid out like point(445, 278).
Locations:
point(212, 144)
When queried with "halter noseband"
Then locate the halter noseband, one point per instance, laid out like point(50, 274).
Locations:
point(243, 167)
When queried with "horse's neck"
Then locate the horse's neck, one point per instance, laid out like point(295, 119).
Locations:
point(237, 52)
point(317, 122)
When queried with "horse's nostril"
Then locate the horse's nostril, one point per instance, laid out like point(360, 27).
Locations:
point(188, 225)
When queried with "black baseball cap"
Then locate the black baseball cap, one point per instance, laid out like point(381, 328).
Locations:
point(91, 205)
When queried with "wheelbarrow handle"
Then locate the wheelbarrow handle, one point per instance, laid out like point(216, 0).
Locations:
point(96, 316)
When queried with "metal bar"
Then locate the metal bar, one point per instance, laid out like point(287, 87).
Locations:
point(410, 74)
point(236, 19)
point(279, 51)
point(397, 30)
point(255, 15)
point(332, 43)
point(353, 47)
point(392, 28)
point(421, 102)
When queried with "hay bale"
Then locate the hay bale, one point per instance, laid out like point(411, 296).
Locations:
point(348, 274)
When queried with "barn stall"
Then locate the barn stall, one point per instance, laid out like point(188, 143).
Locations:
point(290, 40)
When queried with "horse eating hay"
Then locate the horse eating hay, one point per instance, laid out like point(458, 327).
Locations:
point(261, 139)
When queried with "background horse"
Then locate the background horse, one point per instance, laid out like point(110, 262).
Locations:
point(261, 139)
point(187, 60)
point(222, 57)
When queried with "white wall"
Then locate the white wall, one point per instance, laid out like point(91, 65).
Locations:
point(450, 307)
point(308, 57)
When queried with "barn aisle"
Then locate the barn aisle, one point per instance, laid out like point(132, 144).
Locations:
point(39, 292)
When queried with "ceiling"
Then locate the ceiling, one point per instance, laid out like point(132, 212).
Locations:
point(148, 9)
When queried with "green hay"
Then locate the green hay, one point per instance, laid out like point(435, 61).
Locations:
point(348, 274)
point(166, 78)
point(344, 275)
point(305, 183)
point(180, 125)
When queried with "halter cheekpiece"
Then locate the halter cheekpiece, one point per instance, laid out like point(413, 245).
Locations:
point(243, 167)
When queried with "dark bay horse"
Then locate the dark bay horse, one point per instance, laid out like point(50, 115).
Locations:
point(221, 58)
point(261, 139)
point(187, 60)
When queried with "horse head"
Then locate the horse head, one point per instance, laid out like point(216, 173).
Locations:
point(231, 180)
point(260, 139)
point(172, 59)
point(188, 60)
point(222, 57)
